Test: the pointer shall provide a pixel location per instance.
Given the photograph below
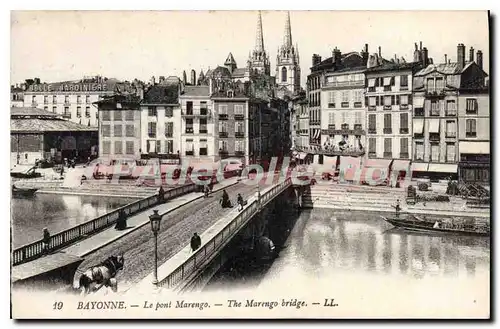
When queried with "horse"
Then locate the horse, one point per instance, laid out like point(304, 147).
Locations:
point(95, 277)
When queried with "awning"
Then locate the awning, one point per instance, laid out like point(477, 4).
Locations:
point(434, 126)
point(371, 82)
point(401, 165)
point(419, 166)
point(317, 133)
point(474, 147)
point(377, 163)
point(387, 81)
point(418, 102)
point(438, 167)
point(330, 161)
point(349, 167)
point(418, 126)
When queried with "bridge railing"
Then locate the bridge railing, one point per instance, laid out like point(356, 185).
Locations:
point(64, 238)
point(207, 250)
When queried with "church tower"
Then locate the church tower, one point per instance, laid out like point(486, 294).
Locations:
point(287, 62)
point(259, 61)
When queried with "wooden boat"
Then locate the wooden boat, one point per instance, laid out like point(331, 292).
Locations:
point(16, 191)
point(428, 226)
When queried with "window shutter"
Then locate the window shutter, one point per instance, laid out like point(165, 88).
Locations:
point(410, 99)
point(366, 100)
point(393, 99)
point(377, 100)
point(397, 100)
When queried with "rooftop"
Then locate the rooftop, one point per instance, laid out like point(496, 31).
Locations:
point(196, 91)
point(444, 68)
point(48, 122)
point(31, 112)
point(167, 94)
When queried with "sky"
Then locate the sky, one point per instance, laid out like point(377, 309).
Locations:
point(67, 45)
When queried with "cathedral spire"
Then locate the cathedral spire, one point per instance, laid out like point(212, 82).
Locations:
point(259, 39)
point(287, 39)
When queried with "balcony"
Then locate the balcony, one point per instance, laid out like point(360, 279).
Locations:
point(435, 93)
point(358, 104)
point(451, 134)
point(195, 113)
point(239, 117)
point(66, 115)
point(344, 104)
point(34, 104)
point(67, 103)
point(403, 130)
point(372, 154)
point(359, 83)
point(344, 126)
point(239, 153)
point(204, 112)
point(469, 134)
point(403, 88)
point(419, 112)
point(387, 88)
point(404, 155)
point(223, 134)
point(451, 112)
point(189, 130)
point(434, 137)
point(358, 127)
point(169, 134)
point(203, 131)
point(371, 89)
point(190, 153)
point(372, 130)
point(372, 108)
point(350, 152)
point(239, 134)
point(223, 116)
point(388, 155)
point(387, 130)
point(331, 105)
point(403, 106)
point(388, 107)
point(223, 153)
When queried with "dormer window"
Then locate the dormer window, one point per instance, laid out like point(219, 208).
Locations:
point(230, 94)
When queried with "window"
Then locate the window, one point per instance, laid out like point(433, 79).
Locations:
point(169, 129)
point(419, 151)
point(451, 109)
point(470, 128)
point(106, 116)
point(118, 131)
point(223, 146)
point(189, 126)
point(238, 127)
point(387, 123)
point(331, 118)
point(130, 115)
point(223, 127)
point(129, 147)
point(66, 99)
point(238, 109)
point(169, 146)
point(331, 99)
point(87, 111)
point(387, 147)
point(203, 126)
point(169, 112)
point(387, 101)
point(403, 81)
point(434, 153)
point(45, 99)
point(357, 118)
point(451, 129)
point(118, 147)
point(118, 115)
point(345, 96)
point(158, 146)
point(372, 123)
point(222, 109)
point(372, 145)
point(78, 99)
point(87, 99)
point(434, 108)
point(152, 111)
point(239, 146)
point(46, 108)
point(67, 112)
point(78, 111)
point(372, 101)
point(471, 106)
point(403, 123)
point(54, 109)
point(129, 131)
point(403, 99)
point(203, 147)
point(54, 99)
point(450, 152)
point(152, 129)
point(403, 148)
point(106, 131)
point(106, 147)
point(430, 84)
point(189, 147)
point(439, 84)
point(283, 74)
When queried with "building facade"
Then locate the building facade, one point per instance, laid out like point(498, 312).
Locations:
point(73, 99)
point(436, 123)
point(389, 110)
point(16, 96)
point(288, 64)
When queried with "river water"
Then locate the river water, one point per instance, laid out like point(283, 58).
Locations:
point(56, 212)
point(359, 249)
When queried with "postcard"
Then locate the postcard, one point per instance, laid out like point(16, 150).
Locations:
point(250, 164)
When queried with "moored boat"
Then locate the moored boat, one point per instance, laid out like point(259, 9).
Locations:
point(439, 226)
point(16, 191)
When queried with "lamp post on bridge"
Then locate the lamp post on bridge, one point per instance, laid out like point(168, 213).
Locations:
point(155, 220)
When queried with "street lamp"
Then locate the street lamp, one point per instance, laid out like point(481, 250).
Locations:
point(155, 220)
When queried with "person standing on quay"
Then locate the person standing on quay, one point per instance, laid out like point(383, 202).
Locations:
point(161, 195)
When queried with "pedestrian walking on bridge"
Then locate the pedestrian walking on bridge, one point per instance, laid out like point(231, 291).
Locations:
point(195, 242)
point(161, 195)
point(46, 240)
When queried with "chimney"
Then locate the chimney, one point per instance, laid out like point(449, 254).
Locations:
point(416, 46)
point(37, 81)
point(193, 77)
point(425, 57)
point(420, 45)
point(379, 51)
point(445, 58)
point(337, 56)
point(152, 80)
point(471, 54)
point(461, 55)
point(364, 54)
point(161, 80)
point(316, 59)
point(480, 59)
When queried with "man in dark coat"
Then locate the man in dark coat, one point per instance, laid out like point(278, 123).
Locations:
point(225, 200)
point(195, 242)
point(161, 195)
point(46, 239)
point(121, 223)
